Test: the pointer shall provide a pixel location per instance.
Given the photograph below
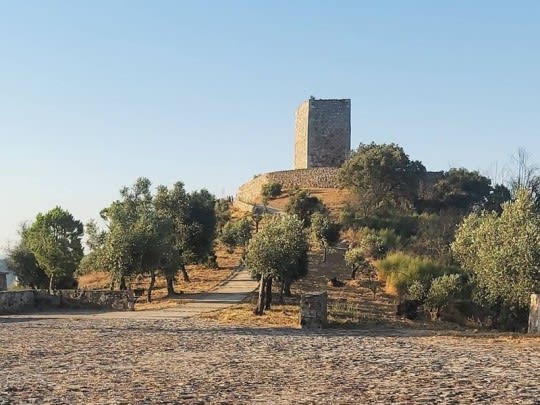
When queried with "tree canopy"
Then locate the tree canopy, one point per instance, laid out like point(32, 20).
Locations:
point(55, 241)
point(503, 252)
point(382, 175)
point(279, 251)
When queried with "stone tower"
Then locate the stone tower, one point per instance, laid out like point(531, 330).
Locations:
point(323, 133)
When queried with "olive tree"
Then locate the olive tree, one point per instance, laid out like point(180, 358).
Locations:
point(502, 253)
point(278, 251)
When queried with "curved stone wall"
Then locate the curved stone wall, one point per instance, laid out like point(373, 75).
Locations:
point(320, 177)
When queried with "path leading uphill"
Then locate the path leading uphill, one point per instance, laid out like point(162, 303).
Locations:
point(230, 292)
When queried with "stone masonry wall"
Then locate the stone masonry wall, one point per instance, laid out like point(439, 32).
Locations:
point(16, 301)
point(321, 177)
point(323, 133)
point(19, 301)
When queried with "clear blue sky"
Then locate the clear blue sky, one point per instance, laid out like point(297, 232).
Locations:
point(94, 94)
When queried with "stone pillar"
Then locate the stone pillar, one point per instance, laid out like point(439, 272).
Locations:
point(534, 314)
point(313, 310)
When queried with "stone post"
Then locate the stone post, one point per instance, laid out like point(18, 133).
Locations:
point(313, 310)
point(534, 314)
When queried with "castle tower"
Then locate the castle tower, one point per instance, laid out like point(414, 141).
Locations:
point(323, 133)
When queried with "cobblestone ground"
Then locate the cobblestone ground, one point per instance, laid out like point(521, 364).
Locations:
point(64, 361)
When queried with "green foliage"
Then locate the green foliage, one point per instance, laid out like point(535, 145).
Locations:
point(356, 261)
point(223, 212)
point(324, 231)
point(279, 249)
point(200, 224)
point(404, 226)
point(55, 241)
point(303, 205)
point(270, 190)
point(382, 176)
point(502, 253)
point(443, 291)
point(416, 291)
point(461, 189)
point(373, 245)
point(401, 270)
point(23, 263)
point(236, 233)
point(435, 234)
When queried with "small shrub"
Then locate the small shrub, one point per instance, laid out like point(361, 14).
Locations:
point(271, 190)
point(373, 246)
point(416, 291)
point(442, 292)
point(400, 271)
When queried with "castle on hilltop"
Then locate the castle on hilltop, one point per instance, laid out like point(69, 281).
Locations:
point(322, 143)
point(323, 133)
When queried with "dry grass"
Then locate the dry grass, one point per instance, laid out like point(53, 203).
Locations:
point(285, 316)
point(202, 279)
point(96, 280)
point(350, 305)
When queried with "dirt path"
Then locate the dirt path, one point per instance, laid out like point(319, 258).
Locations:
point(230, 292)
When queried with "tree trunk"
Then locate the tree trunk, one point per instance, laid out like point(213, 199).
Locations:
point(324, 255)
point(268, 293)
point(151, 286)
point(170, 286)
point(123, 283)
point(259, 310)
point(256, 226)
point(287, 288)
point(184, 273)
point(281, 292)
point(353, 272)
point(51, 284)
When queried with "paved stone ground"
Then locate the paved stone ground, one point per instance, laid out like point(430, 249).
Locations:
point(127, 361)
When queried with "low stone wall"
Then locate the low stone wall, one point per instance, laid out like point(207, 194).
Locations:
point(19, 301)
point(319, 177)
point(16, 301)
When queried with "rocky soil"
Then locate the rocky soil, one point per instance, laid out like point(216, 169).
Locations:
point(109, 361)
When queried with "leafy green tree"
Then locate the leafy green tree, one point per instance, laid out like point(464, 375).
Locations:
point(55, 241)
point(122, 249)
point(23, 263)
point(270, 190)
point(200, 227)
point(462, 190)
point(498, 196)
point(324, 231)
point(278, 251)
point(304, 205)
point(172, 204)
point(236, 233)
point(502, 255)
point(356, 261)
point(382, 176)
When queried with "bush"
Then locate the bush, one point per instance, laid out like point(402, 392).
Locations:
point(271, 190)
point(376, 243)
point(443, 291)
point(401, 271)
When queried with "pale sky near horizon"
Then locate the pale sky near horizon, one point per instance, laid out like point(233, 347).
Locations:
point(96, 94)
